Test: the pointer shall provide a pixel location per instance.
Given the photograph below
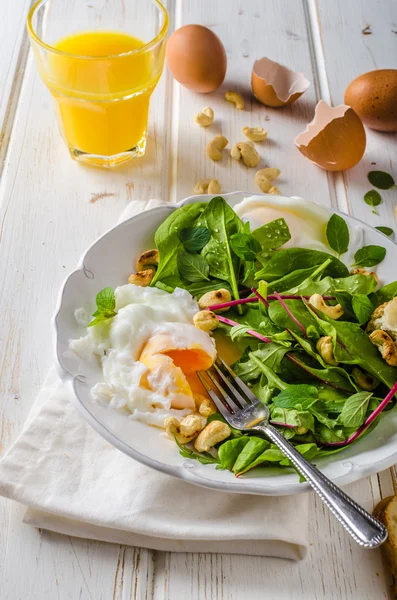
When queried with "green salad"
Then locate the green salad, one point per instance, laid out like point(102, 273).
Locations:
point(317, 337)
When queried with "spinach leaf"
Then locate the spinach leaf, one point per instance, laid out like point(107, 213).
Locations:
point(373, 198)
point(272, 235)
point(353, 284)
point(353, 346)
point(192, 267)
point(195, 238)
point(292, 416)
point(354, 410)
point(269, 354)
point(327, 435)
point(285, 261)
point(363, 308)
point(322, 417)
point(272, 455)
point(249, 453)
point(169, 244)
point(386, 293)
point(205, 457)
point(223, 222)
point(381, 180)
point(338, 234)
point(335, 377)
point(229, 451)
point(303, 394)
point(245, 246)
point(282, 319)
point(106, 304)
point(385, 230)
point(200, 288)
point(288, 281)
point(369, 256)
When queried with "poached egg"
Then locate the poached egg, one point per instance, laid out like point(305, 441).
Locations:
point(149, 353)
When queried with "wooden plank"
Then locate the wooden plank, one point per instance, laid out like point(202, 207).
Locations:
point(59, 566)
point(13, 56)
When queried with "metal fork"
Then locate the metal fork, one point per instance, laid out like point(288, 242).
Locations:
point(244, 411)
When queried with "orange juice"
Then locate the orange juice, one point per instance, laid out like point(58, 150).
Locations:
point(101, 90)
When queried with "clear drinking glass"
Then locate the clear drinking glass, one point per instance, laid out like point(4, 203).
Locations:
point(101, 61)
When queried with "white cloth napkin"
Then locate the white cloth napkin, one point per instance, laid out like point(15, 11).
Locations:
point(74, 482)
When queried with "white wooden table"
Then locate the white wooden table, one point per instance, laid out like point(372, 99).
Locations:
point(52, 208)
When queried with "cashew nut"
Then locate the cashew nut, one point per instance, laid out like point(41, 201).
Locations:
point(246, 151)
point(325, 348)
point(183, 431)
point(385, 345)
point(212, 434)
point(205, 320)
point(205, 406)
point(236, 98)
point(216, 297)
point(214, 187)
point(333, 312)
point(215, 147)
point(274, 190)
point(255, 134)
point(205, 118)
point(150, 258)
point(141, 278)
point(361, 271)
point(385, 317)
point(364, 380)
point(264, 178)
point(207, 186)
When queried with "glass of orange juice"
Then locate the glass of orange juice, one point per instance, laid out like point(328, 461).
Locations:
point(101, 60)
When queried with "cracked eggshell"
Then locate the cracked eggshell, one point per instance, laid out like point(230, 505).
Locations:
point(335, 139)
point(275, 85)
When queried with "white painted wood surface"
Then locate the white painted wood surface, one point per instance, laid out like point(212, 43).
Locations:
point(52, 208)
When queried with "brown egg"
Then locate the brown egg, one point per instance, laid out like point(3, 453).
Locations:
point(335, 139)
point(275, 85)
point(196, 58)
point(373, 96)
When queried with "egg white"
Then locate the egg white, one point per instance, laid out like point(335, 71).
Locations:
point(307, 222)
point(148, 322)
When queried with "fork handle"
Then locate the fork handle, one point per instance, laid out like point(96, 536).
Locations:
point(363, 527)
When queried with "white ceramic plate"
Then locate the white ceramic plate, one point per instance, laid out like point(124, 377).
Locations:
point(108, 263)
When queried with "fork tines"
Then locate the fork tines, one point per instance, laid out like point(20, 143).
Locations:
point(232, 394)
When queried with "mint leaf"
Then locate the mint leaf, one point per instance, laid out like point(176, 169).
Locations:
point(194, 238)
point(105, 300)
point(353, 412)
point(381, 180)
point(105, 303)
point(192, 267)
point(373, 198)
point(272, 235)
point(338, 234)
point(245, 246)
point(363, 308)
point(385, 230)
point(369, 256)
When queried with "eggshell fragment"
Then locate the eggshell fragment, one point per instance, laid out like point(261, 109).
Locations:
point(196, 58)
point(275, 85)
point(373, 96)
point(335, 139)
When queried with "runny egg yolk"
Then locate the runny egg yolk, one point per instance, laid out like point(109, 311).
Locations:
point(172, 366)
